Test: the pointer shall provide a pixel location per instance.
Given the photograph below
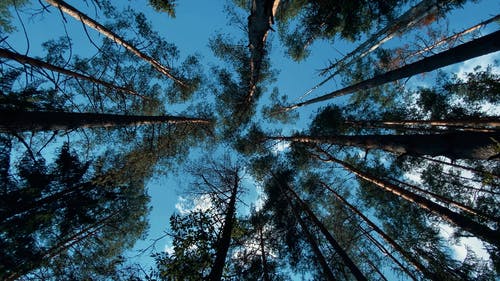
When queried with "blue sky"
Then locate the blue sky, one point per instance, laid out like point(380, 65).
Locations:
point(195, 22)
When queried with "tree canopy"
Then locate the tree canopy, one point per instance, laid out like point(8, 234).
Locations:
point(392, 173)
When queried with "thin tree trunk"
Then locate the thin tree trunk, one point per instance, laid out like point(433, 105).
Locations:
point(481, 231)
point(407, 20)
point(4, 53)
point(62, 246)
point(459, 166)
point(265, 270)
point(19, 121)
point(475, 48)
point(455, 36)
point(335, 245)
point(412, 260)
point(460, 145)
point(73, 12)
point(25, 207)
point(449, 201)
point(224, 241)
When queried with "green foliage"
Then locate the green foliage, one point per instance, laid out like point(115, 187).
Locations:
point(166, 6)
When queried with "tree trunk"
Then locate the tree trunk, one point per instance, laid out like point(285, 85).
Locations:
point(259, 22)
point(412, 260)
point(327, 272)
point(475, 48)
point(224, 241)
point(407, 20)
point(4, 53)
point(459, 166)
point(481, 231)
point(473, 123)
point(451, 202)
point(335, 245)
point(459, 145)
point(265, 270)
point(73, 12)
point(13, 121)
point(25, 207)
point(451, 39)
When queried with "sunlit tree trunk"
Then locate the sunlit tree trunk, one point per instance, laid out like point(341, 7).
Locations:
point(455, 37)
point(481, 231)
point(407, 20)
point(19, 121)
point(471, 124)
point(73, 12)
point(475, 48)
point(460, 145)
point(224, 241)
point(4, 53)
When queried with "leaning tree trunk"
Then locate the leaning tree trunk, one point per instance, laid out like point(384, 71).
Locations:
point(225, 240)
point(407, 20)
point(458, 166)
point(481, 231)
point(475, 48)
point(73, 12)
point(412, 260)
point(18, 121)
point(459, 145)
point(4, 53)
point(335, 245)
point(450, 40)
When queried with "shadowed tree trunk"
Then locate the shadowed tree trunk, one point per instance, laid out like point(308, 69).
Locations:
point(4, 53)
point(314, 246)
point(73, 12)
point(460, 145)
point(475, 48)
point(481, 231)
point(335, 245)
point(15, 121)
point(225, 240)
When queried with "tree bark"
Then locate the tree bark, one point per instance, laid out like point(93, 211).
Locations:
point(459, 145)
point(412, 260)
point(12, 121)
point(73, 12)
point(475, 48)
point(479, 123)
point(4, 53)
point(481, 231)
point(224, 241)
point(259, 23)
